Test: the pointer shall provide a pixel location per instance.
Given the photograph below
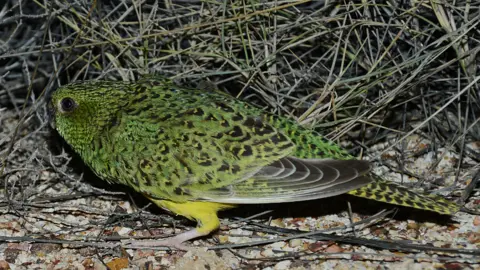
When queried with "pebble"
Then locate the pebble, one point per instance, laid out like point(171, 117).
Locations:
point(476, 221)
point(283, 265)
point(295, 243)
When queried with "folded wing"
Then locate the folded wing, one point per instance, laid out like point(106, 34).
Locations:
point(292, 179)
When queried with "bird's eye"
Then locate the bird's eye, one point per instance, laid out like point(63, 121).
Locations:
point(68, 104)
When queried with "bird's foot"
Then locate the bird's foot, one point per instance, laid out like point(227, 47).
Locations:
point(176, 241)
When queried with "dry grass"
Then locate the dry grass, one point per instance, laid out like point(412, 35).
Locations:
point(361, 72)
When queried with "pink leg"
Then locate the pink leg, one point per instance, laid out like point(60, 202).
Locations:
point(173, 242)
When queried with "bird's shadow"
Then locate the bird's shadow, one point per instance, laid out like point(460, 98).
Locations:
point(335, 205)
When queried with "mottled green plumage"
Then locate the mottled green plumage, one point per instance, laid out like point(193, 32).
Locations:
point(180, 145)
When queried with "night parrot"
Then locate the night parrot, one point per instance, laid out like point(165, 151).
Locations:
point(195, 152)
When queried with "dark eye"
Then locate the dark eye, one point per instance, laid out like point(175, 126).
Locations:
point(68, 104)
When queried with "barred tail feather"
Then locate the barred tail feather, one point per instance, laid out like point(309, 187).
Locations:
point(392, 193)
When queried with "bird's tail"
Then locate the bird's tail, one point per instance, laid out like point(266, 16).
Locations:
point(389, 192)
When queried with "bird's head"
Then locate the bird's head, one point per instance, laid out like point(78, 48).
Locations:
point(79, 111)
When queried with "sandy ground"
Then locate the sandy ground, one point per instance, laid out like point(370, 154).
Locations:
point(81, 216)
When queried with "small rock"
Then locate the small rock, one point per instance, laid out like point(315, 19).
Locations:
point(283, 265)
point(11, 255)
point(267, 253)
point(118, 264)
point(223, 239)
point(413, 226)
point(320, 245)
point(473, 237)
point(88, 263)
point(278, 223)
point(165, 261)
point(124, 231)
point(278, 245)
point(4, 265)
point(295, 243)
point(476, 221)
point(334, 249)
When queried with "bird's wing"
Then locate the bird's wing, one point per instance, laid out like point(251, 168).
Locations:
point(292, 179)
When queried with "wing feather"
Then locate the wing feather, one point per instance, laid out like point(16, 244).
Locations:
point(292, 179)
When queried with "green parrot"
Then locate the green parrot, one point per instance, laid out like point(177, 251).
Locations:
point(196, 152)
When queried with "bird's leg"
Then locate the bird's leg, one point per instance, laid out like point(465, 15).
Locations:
point(205, 213)
point(176, 241)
